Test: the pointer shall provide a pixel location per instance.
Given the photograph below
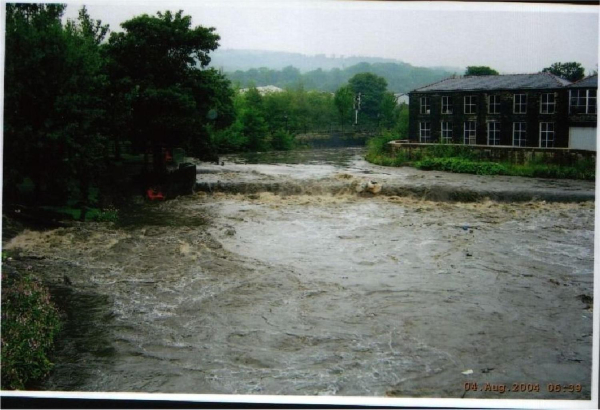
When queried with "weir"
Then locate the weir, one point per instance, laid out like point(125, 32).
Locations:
point(340, 171)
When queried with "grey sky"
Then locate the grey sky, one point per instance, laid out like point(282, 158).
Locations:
point(513, 38)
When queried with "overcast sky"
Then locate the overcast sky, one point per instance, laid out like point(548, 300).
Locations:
point(512, 38)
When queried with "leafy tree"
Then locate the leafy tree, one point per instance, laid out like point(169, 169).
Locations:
point(401, 126)
point(54, 104)
point(569, 71)
point(93, 30)
point(34, 40)
point(83, 102)
point(253, 99)
point(289, 76)
point(255, 129)
point(157, 63)
point(480, 70)
point(372, 90)
point(388, 110)
point(282, 141)
point(344, 100)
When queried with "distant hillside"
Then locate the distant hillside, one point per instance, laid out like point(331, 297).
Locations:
point(401, 77)
point(233, 60)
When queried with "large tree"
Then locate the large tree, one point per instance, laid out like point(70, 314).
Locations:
point(171, 99)
point(371, 89)
point(53, 101)
point(572, 71)
point(344, 99)
point(480, 70)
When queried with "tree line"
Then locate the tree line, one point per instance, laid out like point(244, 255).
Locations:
point(400, 77)
point(272, 119)
point(571, 71)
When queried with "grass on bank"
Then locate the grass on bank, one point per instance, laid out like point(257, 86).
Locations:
point(30, 323)
point(459, 159)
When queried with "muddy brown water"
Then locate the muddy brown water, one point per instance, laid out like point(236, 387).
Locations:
point(322, 293)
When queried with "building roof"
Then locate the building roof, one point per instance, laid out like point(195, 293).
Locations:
point(265, 89)
point(587, 82)
point(497, 82)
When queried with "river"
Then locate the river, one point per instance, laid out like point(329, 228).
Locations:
point(277, 277)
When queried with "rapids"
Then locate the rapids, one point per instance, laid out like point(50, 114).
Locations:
point(323, 292)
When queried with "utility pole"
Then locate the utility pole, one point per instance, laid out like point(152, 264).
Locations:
point(356, 108)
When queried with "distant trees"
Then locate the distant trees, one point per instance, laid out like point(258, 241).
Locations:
point(572, 71)
point(400, 77)
point(268, 121)
point(480, 70)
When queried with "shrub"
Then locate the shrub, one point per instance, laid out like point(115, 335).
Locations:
point(449, 151)
point(282, 141)
point(462, 166)
point(106, 215)
point(29, 324)
point(379, 143)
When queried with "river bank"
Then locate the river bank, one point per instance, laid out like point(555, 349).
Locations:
point(324, 293)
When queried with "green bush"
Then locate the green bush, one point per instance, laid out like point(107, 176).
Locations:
point(387, 160)
point(106, 215)
point(29, 324)
point(379, 143)
point(282, 141)
point(231, 139)
point(461, 165)
point(577, 171)
point(449, 151)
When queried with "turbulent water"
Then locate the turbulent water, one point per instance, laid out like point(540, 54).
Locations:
point(325, 292)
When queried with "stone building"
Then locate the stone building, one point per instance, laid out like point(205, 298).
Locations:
point(583, 113)
point(523, 110)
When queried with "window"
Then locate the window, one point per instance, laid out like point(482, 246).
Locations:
point(493, 133)
point(446, 105)
point(519, 134)
point(546, 134)
point(494, 104)
point(520, 103)
point(547, 104)
point(582, 102)
point(470, 102)
point(425, 132)
point(470, 132)
point(425, 107)
point(446, 131)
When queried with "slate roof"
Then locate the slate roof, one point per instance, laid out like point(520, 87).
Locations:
point(587, 82)
point(497, 82)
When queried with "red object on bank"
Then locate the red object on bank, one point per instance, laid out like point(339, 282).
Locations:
point(154, 194)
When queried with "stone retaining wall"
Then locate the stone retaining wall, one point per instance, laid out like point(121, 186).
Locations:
point(500, 153)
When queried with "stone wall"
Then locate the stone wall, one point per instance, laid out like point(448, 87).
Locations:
point(499, 153)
